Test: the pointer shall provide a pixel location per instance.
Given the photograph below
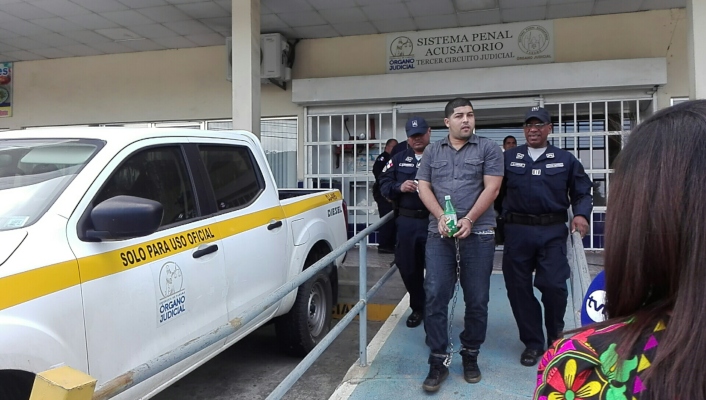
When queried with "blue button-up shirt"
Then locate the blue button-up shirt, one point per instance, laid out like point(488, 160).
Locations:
point(459, 173)
point(546, 186)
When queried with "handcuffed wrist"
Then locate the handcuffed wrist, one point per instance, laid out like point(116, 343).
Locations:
point(469, 220)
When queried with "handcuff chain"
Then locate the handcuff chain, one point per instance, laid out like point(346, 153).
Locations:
point(447, 361)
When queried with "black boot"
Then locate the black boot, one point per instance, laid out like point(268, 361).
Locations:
point(437, 373)
point(529, 357)
point(415, 319)
point(471, 372)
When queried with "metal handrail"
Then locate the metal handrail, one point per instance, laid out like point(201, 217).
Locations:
point(360, 307)
point(580, 277)
point(156, 365)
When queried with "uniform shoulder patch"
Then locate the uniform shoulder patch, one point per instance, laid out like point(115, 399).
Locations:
point(389, 165)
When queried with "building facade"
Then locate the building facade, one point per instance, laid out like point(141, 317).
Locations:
point(348, 95)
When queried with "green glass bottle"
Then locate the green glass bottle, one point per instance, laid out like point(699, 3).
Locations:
point(450, 216)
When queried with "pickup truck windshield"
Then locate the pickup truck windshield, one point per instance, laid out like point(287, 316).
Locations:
point(34, 172)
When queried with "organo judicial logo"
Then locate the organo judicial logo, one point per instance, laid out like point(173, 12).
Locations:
point(171, 280)
point(533, 40)
point(173, 303)
point(401, 57)
point(401, 46)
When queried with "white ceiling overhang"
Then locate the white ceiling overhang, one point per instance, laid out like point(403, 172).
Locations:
point(524, 80)
point(45, 29)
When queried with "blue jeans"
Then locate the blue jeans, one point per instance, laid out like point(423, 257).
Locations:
point(476, 267)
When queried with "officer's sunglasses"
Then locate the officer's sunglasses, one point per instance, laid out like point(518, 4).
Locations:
point(538, 126)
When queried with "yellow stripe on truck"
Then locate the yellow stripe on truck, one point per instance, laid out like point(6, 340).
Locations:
point(299, 207)
point(112, 262)
point(244, 223)
point(19, 288)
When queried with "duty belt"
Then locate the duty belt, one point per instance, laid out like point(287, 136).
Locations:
point(541, 219)
point(420, 214)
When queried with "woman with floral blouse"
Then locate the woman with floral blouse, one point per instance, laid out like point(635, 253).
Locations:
point(653, 344)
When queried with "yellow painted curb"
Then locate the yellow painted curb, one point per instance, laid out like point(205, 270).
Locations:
point(376, 312)
point(63, 383)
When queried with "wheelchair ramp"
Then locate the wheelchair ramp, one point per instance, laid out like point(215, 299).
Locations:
point(397, 358)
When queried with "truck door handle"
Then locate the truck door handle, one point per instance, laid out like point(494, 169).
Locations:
point(274, 225)
point(208, 250)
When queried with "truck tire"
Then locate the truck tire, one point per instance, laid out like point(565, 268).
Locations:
point(16, 385)
point(309, 320)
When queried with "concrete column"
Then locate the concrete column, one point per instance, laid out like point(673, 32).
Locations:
point(696, 47)
point(245, 23)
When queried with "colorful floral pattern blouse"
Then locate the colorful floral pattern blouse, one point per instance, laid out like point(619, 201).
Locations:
point(585, 366)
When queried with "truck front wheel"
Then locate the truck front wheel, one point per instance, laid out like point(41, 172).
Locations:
point(309, 320)
point(16, 385)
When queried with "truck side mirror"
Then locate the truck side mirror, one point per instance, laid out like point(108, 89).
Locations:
point(124, 217)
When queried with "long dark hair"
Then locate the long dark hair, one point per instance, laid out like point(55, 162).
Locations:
point(655, 254)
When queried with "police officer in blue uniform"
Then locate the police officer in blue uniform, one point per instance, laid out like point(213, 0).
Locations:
point(400, 147)
point(541, 182)
point(387, 234)
point(398, 184)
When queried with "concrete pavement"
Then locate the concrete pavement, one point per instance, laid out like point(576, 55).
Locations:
point(397, 355)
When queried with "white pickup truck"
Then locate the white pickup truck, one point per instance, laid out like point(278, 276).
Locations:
point(119, 245)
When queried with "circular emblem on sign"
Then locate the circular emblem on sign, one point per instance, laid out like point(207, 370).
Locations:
point(533, 40)
point(170, 279)
point(401, 47)
point(595, 305)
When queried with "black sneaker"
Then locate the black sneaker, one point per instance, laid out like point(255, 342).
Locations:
point(437, 374)
point(471, 372)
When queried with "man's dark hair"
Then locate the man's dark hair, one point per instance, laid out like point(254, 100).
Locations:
point(390, 141)
point(655, 252)
point(457, 102)
point(509, 137)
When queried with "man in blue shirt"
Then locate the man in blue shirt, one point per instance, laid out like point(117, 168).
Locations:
point(541, 182)
point(469, 168)
point(397, 183)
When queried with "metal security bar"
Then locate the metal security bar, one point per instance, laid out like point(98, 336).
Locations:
point(339, 151)
point(279, 141)
point(595, 132)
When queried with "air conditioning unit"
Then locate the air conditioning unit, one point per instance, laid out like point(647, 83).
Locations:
point(274, 55)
